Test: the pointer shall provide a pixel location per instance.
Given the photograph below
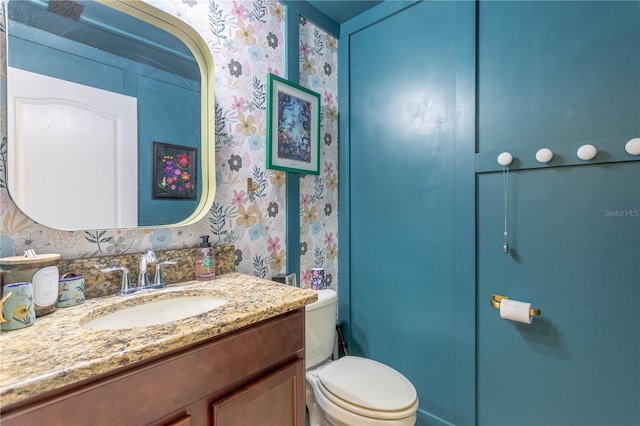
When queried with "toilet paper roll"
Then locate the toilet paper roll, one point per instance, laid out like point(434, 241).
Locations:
point(515, 311)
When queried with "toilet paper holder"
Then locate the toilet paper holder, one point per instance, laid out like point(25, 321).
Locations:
point(495, 302)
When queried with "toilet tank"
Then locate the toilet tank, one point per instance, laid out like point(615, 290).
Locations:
point(320, 327)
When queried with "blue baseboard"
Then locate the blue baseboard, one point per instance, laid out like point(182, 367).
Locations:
point(427, 419)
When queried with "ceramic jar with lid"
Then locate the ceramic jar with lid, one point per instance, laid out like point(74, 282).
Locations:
point(42, 271)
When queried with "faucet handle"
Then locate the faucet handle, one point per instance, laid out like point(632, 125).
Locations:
point(147, 257)
point(158, 277)
point(125, 283)
point(143, 278)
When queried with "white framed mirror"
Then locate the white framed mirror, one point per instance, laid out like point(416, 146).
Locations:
point(94, 88)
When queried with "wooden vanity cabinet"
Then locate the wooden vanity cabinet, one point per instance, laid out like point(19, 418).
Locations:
point(253, 376)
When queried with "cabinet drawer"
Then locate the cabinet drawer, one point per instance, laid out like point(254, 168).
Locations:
point(183, 421)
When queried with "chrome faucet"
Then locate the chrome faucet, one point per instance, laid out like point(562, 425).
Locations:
point(143, 279)
point(125, 283)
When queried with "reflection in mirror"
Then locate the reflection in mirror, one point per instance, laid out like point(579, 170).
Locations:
point(91, 87)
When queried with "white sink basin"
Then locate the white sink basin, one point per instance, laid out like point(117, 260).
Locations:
point(154, 313)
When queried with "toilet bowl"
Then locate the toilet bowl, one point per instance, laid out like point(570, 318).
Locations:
point(351, 390)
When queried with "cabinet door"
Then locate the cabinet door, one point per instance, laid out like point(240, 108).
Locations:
point(182, 421)
point(275, 400)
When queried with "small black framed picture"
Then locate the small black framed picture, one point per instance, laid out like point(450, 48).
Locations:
point(175, 171)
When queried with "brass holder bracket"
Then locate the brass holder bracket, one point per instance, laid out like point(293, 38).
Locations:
point(495, 302)
point(250, 186)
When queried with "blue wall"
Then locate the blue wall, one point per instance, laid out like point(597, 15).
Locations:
point(168, 105)
point(430, 94)
point(557, 75)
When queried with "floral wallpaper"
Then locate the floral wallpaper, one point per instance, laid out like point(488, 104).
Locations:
point(319, 194)
point(247, 42)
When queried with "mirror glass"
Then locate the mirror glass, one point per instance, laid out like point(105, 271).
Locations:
point(108, 106)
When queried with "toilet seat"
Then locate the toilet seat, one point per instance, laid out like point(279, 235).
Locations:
point(368, 388)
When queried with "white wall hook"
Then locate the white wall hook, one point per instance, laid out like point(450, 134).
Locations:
point(544, 155)
point(505, 158)
point(633, 146)
point(587, 152)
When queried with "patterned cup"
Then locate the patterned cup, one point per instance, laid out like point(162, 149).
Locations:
point(70, 291)
point(18, 310)
point(317, 278)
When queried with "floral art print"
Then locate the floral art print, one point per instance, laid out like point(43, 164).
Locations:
point(294, 128)
point(174, 171)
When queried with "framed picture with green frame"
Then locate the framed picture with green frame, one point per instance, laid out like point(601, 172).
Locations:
point(293, 127)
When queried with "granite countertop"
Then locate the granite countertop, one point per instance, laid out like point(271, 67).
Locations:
point(57, 351)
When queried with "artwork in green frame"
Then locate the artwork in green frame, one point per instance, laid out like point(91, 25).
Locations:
point(293, 127)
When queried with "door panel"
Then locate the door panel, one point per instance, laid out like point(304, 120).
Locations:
point(53, 117)
point(404, 89)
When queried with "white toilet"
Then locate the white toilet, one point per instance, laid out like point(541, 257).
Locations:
point(350, 391)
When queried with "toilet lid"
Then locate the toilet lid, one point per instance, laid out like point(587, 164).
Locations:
point(369, 385)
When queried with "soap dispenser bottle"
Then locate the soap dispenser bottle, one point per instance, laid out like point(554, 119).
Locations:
point(205, 261)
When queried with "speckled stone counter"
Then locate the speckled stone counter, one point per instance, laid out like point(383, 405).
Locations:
point(57, 351)
point(99, 284)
